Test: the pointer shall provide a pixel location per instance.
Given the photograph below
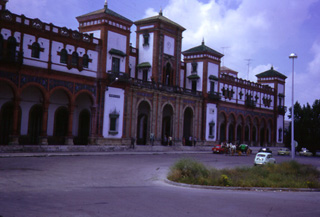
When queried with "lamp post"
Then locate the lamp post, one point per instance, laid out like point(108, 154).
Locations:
point(292, 56)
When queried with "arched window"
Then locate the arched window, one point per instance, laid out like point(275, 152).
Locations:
point(64, 56)
point(35, 50)
point(12, 45)
point(75, 57)
point(85, 61)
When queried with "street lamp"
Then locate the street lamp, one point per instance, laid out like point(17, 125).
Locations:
point(292, 56)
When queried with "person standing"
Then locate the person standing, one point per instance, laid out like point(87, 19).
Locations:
point(194, 141)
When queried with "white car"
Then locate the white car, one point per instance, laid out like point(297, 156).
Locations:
point(305, 152)
point(263, 158)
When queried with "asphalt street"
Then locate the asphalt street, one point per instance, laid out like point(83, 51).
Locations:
point(134, 185)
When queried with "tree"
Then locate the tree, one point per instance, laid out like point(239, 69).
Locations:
point(306, 126)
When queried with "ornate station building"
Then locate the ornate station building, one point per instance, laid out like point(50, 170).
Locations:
point(91, 87)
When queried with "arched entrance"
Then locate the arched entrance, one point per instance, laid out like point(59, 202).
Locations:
point(6, 123)
point(35, 124)
point(60, 125)
point(83, 128)
point(143, 123)
point(188, 126)
point(222, 128)
point(231, 128)
point(82, 119)
point(167, 118)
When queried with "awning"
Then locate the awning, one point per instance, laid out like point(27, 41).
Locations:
point(193, 76)
point(144, 65)
point(213, 77)
point(117, 52)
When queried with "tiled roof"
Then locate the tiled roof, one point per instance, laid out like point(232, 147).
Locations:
point(106, 11)
point(159, 17)
point(202, 49)
point(271, 73)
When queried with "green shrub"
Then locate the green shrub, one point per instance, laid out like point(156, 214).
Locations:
point(285, 175)
point(189, 171)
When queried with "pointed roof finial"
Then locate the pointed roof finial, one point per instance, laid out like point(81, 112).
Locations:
point(202, 41)
point(106, 4)
point(160, 13)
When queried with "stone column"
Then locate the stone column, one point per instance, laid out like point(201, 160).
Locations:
point(14, 137)
point(43, 140)
point(69, 137)
point(92, 135)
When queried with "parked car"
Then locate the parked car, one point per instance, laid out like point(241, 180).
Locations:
point(305, 152)
point(283, 151)
point(265, 150)
point(264, 158)
point(217, 149)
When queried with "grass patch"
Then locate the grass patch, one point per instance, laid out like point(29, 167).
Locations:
point(285, 175)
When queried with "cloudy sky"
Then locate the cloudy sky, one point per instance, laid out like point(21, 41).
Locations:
point(262, 31)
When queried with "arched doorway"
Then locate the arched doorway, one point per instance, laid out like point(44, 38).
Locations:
point(60, 125)
point(167, 118)
point(143, 123)
point(35, 124)
point(231, 129)
point(246, 134)
point(222, 128)
point(239, 134)
point(188, 126)
point(83, 128)
point(6, 123)
point(82, 119)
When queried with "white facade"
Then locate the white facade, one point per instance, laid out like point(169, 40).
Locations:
point(114, 104)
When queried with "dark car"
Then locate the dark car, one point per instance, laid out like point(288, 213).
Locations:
point(265, 150)
point(217, 149)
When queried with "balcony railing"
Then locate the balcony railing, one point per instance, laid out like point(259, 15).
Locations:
point(122, 76)
point(214, 95)
point(165, 88)
point(250, 103)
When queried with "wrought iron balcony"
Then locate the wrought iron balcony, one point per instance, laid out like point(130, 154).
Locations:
point(250, 103)
point(121, 76)
point(12, 58)
point(165, 88)
point(282, 110)
point(214, 95)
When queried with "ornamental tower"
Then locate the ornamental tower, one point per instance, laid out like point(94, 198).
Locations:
point(159, 43)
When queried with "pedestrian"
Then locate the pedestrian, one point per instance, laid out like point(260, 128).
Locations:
point(132, 142)
point(194, 141)
point(170, 140)
point(151, 138)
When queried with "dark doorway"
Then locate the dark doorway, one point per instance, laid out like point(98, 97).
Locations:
point(246, 134)
point(231, 133)
point(84, 128)
point(6, 123)
point(223, 132)
point(143, 123)
point(239, 134)
point(188, 126)
point(61, 118)
point(262, 137)
point(35, 124)
point(167, 116)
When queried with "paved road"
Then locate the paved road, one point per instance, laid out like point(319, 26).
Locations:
point(133, 185)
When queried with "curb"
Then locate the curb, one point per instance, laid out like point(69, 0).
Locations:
point(241, 188)
point(64, 154)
